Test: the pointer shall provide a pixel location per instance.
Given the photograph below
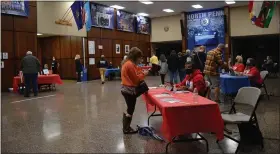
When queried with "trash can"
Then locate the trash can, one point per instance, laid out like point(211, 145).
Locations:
point(84, 75)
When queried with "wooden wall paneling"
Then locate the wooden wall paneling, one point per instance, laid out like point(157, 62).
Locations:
point(39, 50)
point(31, 39)
point(107, 47)
point(108, 34)
point(79, 44)
point(94, 32)
point(73, 47)
point(117, 61)
point(55, 41)
point(21, 44)
point(93, 72)
point(7, 22)
point(27, 24)
point(97, 51)
point(7, 77)
point(65, 47)
point(67, 68)
point(114, 48)
point(33, 3)
point(7, 43)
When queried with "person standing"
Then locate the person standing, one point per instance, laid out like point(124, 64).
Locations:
point(212, 65)
point(182, 60)
point(173, 65)
point(30, 67)
point(163, 68)
point(79, 68)
point(200, 58)
point(154, 62)
point(131, 76)
point(55, 66)
point(102, 65)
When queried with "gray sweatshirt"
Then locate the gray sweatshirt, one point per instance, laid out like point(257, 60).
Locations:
point(163, 67)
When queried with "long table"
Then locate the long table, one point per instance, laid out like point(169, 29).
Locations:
point(185, 116)
point(42, 79)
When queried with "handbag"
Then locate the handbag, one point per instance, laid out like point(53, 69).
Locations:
point(141, 88)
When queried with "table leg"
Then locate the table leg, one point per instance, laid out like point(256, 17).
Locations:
point(153, 115)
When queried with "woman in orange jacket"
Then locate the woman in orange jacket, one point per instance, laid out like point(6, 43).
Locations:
point(131, 76)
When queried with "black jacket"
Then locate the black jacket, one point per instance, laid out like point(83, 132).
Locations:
point(173, 63)
point(199, 60)
point(102, 64)
point(79, 67)
point(182, 61)
point(30, 65)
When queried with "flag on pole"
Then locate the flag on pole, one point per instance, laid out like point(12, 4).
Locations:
point(76, 8)
point(87, 16)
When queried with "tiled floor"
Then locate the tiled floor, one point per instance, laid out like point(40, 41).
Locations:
point(86, 118)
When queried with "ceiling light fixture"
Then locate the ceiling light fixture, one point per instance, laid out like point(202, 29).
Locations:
point(117, 7)
point(38, 34)
point(168, 10)
point(147, 2)
point(143, 14)
point(230, 2)
point(197, 6)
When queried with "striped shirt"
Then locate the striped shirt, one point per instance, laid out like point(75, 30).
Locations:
point(213, 62)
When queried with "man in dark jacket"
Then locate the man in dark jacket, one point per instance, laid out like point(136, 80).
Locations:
point(173, 66)
point(30, 67)
point(102, 65)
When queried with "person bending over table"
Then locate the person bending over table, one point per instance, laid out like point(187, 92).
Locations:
point(253, 73)
point(131, 76)
point(194, 79)
point(238, 67)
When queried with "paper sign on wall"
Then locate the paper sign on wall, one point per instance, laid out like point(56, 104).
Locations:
point(2, 64)
point(100, 47)
point(118, 48)
point(5, 55)
point(91, 61)
point(91, 47)
point(126, 48)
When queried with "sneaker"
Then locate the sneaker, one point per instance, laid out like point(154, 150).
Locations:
point(161, 85)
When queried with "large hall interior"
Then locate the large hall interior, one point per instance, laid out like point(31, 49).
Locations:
point(142, 76)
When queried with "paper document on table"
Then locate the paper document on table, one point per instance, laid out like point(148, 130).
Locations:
point(153, 87)
point(163, 95)
point(171, 100)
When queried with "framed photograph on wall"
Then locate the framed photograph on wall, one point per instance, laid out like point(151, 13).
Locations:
point(126, 49)
point(118, 48)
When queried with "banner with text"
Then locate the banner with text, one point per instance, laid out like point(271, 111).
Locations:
point(102, 16)
point(143, 25)
point(125, 21)
point(19, 8)
point(205, 28)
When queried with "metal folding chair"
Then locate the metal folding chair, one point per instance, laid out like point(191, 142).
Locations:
point(264, 75)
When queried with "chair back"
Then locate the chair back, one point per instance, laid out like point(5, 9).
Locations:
point(248, 95)
point(275, 64)
point(264, 74)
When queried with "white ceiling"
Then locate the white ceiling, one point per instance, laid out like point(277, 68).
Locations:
point(155, 10)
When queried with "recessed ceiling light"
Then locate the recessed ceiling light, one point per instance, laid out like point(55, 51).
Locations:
point(142, 14)
point(117, 7)
point(197, 6)
point(168, 10)
point(230, 1)
point(39, 34)
point(147, 2)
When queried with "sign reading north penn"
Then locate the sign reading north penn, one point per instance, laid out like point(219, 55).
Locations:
point(201, 15)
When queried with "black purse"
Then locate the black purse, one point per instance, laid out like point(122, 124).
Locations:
point(141, 88)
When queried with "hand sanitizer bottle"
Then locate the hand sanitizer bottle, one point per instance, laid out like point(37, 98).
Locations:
point(174, 88)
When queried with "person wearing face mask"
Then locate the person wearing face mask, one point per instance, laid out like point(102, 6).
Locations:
point(55, 66)
point(194, 79)
point(253, 73)
point(238, 67)
point(102, 65)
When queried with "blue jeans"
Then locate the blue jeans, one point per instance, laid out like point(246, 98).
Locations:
point(173, 77)
point(28, 80)
point(182, 74)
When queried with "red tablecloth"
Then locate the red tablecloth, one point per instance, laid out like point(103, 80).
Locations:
point(186, 117)
point(42, 79)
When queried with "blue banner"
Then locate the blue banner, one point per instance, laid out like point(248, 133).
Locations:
point(205, 28)
point(102, 16)
point(77, 8)
point(19, 8)
point(125, 21)
point(143, 25)
point(87, 16)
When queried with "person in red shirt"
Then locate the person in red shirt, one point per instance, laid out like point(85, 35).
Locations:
point(253, 73)
point(238, 66)
point(194, 79)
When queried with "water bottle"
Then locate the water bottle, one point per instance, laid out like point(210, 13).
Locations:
point(174, 89)
point(195, 95)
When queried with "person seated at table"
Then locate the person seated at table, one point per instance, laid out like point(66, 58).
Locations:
point(253, 73)
point(110, 66)
point(111, 74)
point(238, 67)
point(194, 79)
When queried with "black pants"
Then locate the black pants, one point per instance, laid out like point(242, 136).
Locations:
point(130, 101)
point(30, 79)
point(79, 77)
point(54, 71)
point(154, 69)
point(162, 76)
